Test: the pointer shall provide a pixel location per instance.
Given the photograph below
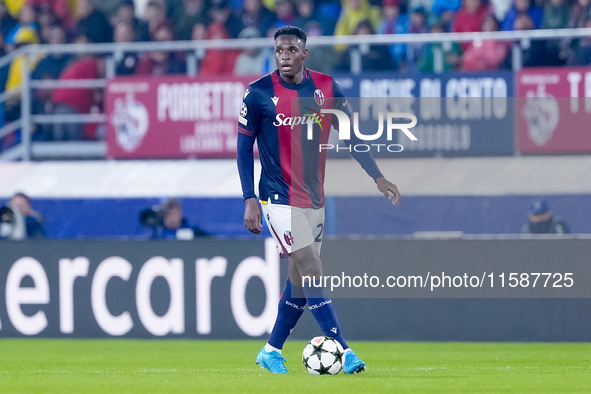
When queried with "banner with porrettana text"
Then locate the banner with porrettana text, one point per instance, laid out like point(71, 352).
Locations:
point(173, 116)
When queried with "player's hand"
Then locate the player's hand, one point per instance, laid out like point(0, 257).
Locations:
point(253, 216)
point(388, 189)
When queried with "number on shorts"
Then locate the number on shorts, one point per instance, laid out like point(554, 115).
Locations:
point(319, 236)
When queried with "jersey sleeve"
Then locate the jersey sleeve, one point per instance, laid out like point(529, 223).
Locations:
point(248, 126)
point(249, 118)
point(340, 101)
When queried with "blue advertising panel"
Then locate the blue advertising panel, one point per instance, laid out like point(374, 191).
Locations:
point(458, 114)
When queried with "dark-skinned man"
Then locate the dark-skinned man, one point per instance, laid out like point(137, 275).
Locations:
point(291, 188)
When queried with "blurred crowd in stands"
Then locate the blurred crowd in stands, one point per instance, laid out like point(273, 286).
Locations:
point(93, 21)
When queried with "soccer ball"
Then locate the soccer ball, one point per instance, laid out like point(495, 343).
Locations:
point(323, 356)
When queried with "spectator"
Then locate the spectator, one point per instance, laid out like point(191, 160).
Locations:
point(284, 11)
point(373, 57)
point(3, 75)
point(306, 13)
point(556, 15)
point(155, 15)
point(470, 17)
point(194, 13)
point(542, 221)
point(46, 19)
point(500, 8)
point(218, 61)
point(532, 53)
point(407, 55)
point(3, 78)
point(221, 14)
point(74, 101)
point(580, 14)
point(392, 21)
point(125, 62)
point(126, 13)
point(199, 34)
point(23, 210)
point(320, 60)
point(93, 23)
point(488, 54)
point(106, 7)
point(60, 9)
point(162, 62)
point(523, 7)
point(251, 61)
point(445, 10)
point(7, 22)
point(48, 68)
point(24, 36)
point(451, 53)
point(14, 6)
point(328, 13)
point(27, 17)
point(270, 62)
point(353, 12)
point(255, 15)
point(581, 55)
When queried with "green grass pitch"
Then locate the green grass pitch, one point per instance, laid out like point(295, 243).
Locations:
point(176, 366)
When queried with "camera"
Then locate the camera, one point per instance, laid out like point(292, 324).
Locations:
point(6, 215)
point(12, 224)
point(166, 221)
point(151, 217)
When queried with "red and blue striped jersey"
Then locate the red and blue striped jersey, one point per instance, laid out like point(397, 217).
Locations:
point(292, 164)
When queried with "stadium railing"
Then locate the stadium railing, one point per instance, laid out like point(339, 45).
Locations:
point(26, 149)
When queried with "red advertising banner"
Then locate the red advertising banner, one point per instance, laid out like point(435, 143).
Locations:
point(554, 110)
point(173, 116)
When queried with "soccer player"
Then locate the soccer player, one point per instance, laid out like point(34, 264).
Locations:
point(291, 187)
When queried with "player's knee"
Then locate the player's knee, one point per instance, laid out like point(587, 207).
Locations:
point(307, 263)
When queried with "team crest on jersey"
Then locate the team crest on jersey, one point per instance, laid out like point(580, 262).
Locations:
point(288, 237)
point(319, 97)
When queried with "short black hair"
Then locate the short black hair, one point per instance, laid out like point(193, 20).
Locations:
point(291, 31)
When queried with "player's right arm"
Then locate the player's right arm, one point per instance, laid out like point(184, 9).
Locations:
point(247, 131)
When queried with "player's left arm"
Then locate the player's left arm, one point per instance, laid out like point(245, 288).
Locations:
point(365, 159)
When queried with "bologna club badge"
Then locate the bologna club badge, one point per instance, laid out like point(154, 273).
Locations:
point(319, 97)
point(288, 238)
